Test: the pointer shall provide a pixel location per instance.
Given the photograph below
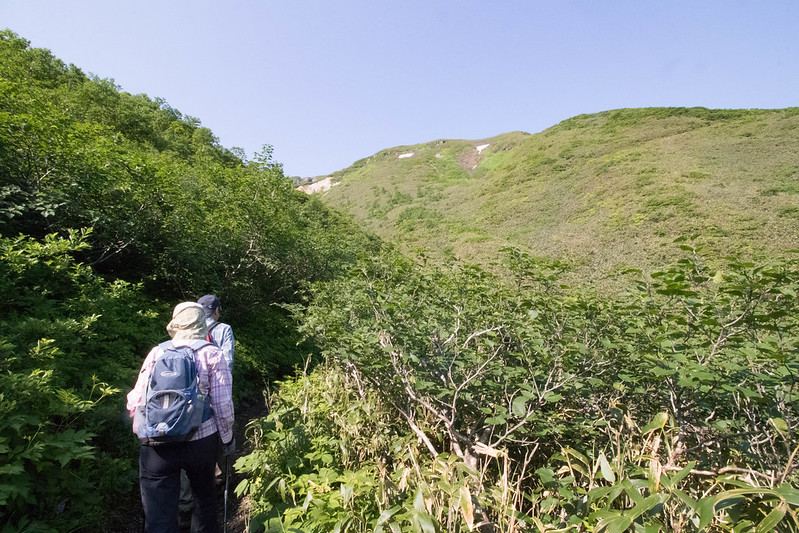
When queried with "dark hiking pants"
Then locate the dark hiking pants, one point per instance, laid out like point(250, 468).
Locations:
point(159, 479)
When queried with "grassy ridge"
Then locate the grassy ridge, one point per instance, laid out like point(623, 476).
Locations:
point(610, 190)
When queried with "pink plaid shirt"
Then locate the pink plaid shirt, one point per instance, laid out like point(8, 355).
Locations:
point(215, 381)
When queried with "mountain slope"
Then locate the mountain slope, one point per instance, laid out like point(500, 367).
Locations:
point(610, 190)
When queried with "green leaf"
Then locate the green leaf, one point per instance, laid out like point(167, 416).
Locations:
point(552, 397)
point(418, 500)
point(658, 422)
point(519, 406)
point(769, 523)
point(604, 466)
point(11, 469)
point(687, 500)
point(597, 493)
point(467, 507)
point(787, 291)
point(425, 521)
point(672, 481)
point(790, 493)
point(660, 371)
point(780, 425)
point(707, 509)
point(645, 505)
point(631, 492)
point(384, 516)
point(547, 475)
point(616, 524)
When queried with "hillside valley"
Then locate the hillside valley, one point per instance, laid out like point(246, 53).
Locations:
point(606, 191)
point(377, 390)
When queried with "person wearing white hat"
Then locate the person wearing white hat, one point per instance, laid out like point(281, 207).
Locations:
point(160, 465)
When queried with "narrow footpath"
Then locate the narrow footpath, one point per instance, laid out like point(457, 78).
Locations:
point(128, 516)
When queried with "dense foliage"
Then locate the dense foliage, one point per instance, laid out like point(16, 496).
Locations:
point(114, 207)
point(66, 335)
point(448, 398)
point(166, 203)
point(454, 401)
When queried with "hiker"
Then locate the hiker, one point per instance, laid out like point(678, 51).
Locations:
point(160, 462)
point(220, 333)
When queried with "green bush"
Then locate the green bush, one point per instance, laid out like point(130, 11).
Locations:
point(527, 404)
point(68, 344)
point(169, 215)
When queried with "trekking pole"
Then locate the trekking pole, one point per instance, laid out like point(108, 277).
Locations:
point(227, 481)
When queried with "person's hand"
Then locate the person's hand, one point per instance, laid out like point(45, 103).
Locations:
point(229, 447)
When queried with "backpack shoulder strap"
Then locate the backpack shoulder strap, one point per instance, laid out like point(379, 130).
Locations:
point(210, 329)
point(197, 345)
point(208, 335)
point(165, 347)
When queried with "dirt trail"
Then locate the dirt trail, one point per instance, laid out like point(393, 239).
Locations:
point(237, 511)
point(128, 517)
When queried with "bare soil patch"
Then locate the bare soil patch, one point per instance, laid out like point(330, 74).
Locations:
point(469, 159)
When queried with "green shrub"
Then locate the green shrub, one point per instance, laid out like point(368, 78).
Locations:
point(67, 334)
point(527, 404)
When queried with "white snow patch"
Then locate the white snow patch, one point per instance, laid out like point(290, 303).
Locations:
point(319, 186)
point(482, 147)
point(405, 156)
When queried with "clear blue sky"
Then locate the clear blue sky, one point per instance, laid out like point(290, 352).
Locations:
point(330, 82)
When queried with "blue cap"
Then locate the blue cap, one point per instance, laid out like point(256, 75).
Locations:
point(210, 304)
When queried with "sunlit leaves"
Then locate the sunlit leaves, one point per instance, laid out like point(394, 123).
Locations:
point(650, 384)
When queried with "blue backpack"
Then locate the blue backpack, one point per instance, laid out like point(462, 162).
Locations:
point(173, 406)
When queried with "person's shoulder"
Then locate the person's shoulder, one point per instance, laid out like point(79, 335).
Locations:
point(149, 359)
point(154, 352)
point(210, 356)
point(207, 347)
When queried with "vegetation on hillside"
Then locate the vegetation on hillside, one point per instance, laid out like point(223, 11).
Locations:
point(608, 191)
point(434, 395)
point(451, 400)
point(603, 373)
point(113, 208)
